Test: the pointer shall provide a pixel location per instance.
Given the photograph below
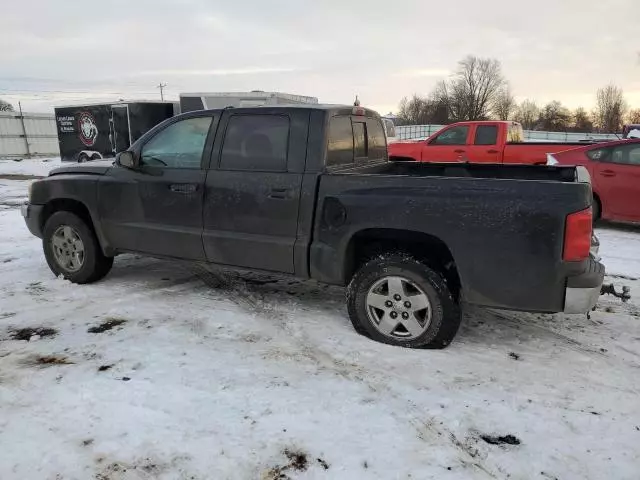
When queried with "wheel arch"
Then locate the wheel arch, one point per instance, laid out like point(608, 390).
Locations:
point(430, 249)
point(78, 208)
point(598, 200)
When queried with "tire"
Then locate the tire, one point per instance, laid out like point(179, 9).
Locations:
point(439, 327)
point(89, 264)
point(83, 158)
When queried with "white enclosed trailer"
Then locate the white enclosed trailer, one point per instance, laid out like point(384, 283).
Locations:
point(256, 98)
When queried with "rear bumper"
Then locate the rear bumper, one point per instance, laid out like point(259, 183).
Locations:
point(582, 291)
point(31, 214)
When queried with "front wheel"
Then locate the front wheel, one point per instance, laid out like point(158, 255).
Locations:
point(398, 300)
point(72, 250)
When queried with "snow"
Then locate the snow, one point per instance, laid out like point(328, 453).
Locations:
point(38, 167)
point(214, 376)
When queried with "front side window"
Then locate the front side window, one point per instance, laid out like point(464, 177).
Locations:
point(626, 154)
point(452, 136)
point(180, 145)
point(256, 142)
point(340, 142)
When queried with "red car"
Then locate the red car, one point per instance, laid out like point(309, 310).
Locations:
point(615, 176)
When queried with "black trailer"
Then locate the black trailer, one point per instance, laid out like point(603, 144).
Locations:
point(92, 132)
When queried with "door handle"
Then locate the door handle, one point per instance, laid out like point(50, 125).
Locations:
point(279, 193)
point(458, 151)
point(608, 173)
point(183, 188)
point(493, 151)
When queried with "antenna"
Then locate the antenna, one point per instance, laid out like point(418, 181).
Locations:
point(161, 87)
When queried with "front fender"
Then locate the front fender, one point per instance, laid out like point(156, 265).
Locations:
point(66, 192)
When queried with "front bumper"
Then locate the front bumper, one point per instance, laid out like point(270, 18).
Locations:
point(582, 291)
point(32, 214)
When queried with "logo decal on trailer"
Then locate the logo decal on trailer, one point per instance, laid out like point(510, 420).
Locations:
point(87, 128)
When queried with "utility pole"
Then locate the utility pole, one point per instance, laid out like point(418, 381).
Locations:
point(161, 87)
point(24, 131)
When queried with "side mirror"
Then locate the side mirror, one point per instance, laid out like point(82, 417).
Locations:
point(127, 159)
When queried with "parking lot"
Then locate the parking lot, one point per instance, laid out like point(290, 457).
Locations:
point(169, 370)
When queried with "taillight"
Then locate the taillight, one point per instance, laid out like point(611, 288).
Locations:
point(577, 236)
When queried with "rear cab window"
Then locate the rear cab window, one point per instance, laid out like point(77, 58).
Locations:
point(515, 133)
point(355, 139)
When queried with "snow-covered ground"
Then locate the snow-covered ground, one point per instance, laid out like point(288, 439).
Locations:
point(216, 376)
point(38, 167)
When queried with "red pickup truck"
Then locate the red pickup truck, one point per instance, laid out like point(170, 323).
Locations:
point(477, 142)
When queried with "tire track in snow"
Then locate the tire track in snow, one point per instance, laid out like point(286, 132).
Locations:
point(244, 298)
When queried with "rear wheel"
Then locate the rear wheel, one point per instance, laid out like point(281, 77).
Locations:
point(83, 157)
point(72, 250)
point(398, 300)
point(596, 209)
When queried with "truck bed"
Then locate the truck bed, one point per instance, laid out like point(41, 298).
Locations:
point(514, 214)
point(474, 170)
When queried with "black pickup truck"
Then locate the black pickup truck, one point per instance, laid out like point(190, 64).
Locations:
point(309, 191)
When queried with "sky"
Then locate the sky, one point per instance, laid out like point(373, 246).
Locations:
point(60, 53)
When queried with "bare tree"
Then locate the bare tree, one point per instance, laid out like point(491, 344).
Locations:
point(411, 111)
point(554, 117)
point(504, 105)
point(5, 106)
point(581, 121)
point(420, 111)
point(610, 108)
point(470, 94)
point(527, 114)
point(634, 116)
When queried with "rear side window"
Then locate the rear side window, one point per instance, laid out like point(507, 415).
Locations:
point(256, 142)
point(486, 135)
point(452, 136)
point(376, 139)
point(598, 154)
point(340, 142)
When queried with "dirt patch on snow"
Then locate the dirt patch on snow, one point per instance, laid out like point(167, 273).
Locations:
point(45, 360)
point(501, 439)
point(108, 324)
point(298, 461)
point(29, 333)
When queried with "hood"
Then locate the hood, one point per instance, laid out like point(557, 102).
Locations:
point(97, 167)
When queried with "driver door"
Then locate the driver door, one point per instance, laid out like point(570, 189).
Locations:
point(157, 208)
point(448, 146)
